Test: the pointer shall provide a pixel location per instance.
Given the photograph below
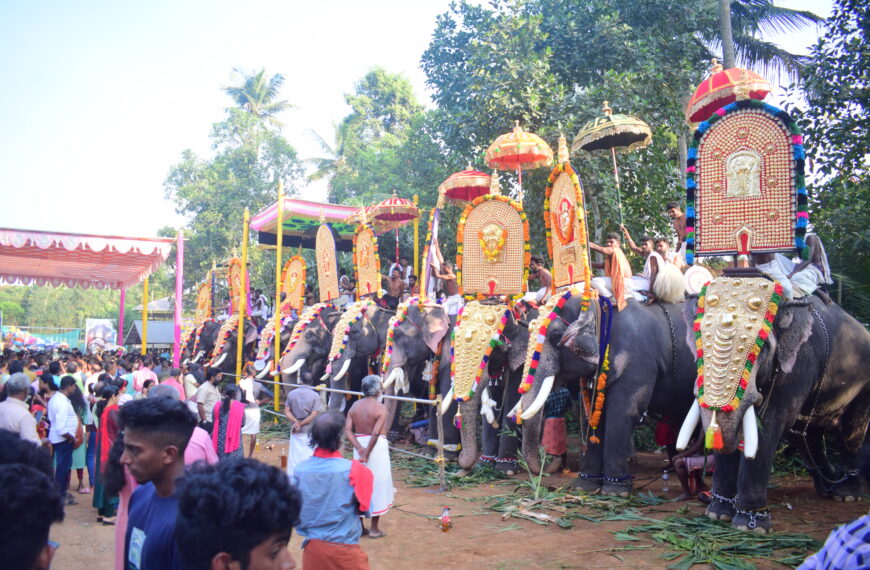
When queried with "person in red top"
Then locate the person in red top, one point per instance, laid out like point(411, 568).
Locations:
point(172, 380)
point(107, 432)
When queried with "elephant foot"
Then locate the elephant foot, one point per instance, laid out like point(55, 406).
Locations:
point(506, 465)
point(554, 465)
point(486, 460)
point(619, 486)
point(588, 483)
point(753, 521)
point(721, 508)
point(848, 489)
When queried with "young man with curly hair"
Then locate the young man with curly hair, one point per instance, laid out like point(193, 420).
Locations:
point(236, 514)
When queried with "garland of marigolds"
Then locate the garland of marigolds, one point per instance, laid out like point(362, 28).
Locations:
point(267, 335)
point(227, 328)
point(460, 235)
point(308, 315)
point(580, 208)
point(349, 320)
point(600, 385)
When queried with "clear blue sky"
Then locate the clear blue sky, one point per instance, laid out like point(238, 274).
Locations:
point(100, 98)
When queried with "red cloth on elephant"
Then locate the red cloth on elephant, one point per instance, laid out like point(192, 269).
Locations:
point(325, 555)
point(555, 438)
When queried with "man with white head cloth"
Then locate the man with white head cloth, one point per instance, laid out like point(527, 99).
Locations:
point(366, 430)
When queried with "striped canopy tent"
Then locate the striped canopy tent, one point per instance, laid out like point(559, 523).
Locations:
point(31, 257)
point(300, 220)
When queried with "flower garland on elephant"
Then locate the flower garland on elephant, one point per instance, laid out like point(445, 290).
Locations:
point(227, 328)
point(396, 320)
point(267, 335)
point(352, 314)
point(307, 317)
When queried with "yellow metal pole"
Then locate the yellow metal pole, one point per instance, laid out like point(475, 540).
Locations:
point(144, 316)
point(279, 242)
point(243, 299)
point(417, 242)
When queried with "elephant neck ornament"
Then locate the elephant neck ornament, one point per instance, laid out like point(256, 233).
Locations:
point(352, 314)
point(306, 318)
point(267, 335)
point(732, 323)
point(227, 328)
point(478, 329)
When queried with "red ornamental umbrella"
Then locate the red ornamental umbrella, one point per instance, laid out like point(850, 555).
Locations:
point(395, 210)
point(517, 150)
point(465, 186)
point(723, 88)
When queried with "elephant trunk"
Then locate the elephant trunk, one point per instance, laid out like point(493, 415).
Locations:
point(529, 410)
point(532, 432)
point(468, 432)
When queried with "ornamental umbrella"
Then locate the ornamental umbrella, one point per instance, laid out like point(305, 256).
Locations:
point(465, 186)
point(517, 150)
point(613, 132)
point(395, 211)
point(723, 88)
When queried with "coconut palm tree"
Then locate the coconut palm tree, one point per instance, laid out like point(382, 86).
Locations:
point(258, 95)
point(333, 159)
point(743, 23)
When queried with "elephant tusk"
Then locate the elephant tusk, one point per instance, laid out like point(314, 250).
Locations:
point(294, 368)
point(750, 433)
point(448, 399)
point(540, 399)
point(185, 361)
point(199, 355)
point(275, 373)
point(342, 371)
point(220, 360)
point(394, 373)
point(689, 424)
point(263, 373)
point(513, 413)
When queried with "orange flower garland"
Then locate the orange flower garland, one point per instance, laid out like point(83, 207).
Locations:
point(600, 385)
point(581, 209)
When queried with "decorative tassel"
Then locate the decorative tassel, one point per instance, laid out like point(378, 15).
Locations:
point(594, 439)
point(713, 436)
point(457, 420)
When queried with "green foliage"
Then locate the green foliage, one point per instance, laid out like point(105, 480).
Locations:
point(837, 137)
point(250, 157)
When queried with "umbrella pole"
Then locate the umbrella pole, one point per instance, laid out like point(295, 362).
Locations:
point(520, 177)
point(616, 176)
point(397, 246)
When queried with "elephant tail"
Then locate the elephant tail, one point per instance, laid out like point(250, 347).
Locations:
point(669, 286)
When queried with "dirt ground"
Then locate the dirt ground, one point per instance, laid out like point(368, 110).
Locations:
point(482, 538)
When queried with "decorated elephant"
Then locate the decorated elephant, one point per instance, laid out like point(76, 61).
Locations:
point(414, 336)
point(359, 335)
point(569, 357)
point(647, 368)
point(224, 354)
point(266, 343)
point(811, 376)
point(496, 396)
point(309, 345)
point(200, 342)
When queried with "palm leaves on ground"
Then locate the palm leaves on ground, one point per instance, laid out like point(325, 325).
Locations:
point(258, 95)
point(753, 19)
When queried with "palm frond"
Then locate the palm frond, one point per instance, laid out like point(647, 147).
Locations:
point(751, 16)
point(768, 58)
point(324, 146)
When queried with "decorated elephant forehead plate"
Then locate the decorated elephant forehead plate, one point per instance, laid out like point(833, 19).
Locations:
point(353, 312)
point(293, 284)
point(745, 183)
point(477, 326)
point(227, 328)
point(366, 262)
point(493, 234)
point(731, 325)
point(327, 267)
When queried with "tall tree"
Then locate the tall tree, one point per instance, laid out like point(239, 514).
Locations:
point(333, 159)
point(258, 95)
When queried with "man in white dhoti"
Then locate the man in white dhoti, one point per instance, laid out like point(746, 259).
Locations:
point(366, 430)
point(778, 267)
point(454, 300)
point(642, 285)
point(302, 406)
point(812, 274)
point(545, 280)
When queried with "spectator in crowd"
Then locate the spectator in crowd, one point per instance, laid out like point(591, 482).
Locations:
point(80, 455)
point(108, 427)
point(31, 503)
point(156, 432)
point(365, 429)
point(14, 413)
point(62, 434)
point(847, 546)
point(300, 409)
point(200, 447)
point(237, 514)
point(144, 373)
point(207, 396)
point(335, 492)
point(253, 396)
point(172, 380)
point(229, 417)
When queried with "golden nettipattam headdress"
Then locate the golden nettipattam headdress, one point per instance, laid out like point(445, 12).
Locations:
point(327, 263)
point(366, 261)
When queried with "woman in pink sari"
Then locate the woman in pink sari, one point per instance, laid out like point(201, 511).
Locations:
point(229, 417)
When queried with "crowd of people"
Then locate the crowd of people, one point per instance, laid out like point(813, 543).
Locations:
point(159, 450)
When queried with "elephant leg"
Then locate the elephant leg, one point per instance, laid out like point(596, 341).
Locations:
point(812, 448)
point(591, 468)
point(723, 503)
point(469, 412)
point(625, 401)
point(850, 437)
point(451, 433)
point(751, 512)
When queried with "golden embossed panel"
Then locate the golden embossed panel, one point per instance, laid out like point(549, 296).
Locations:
point(567, 236)
point(493, 248)
point(293, 284)
point(203, 302)
point(474, 330)
point(368, 271)
point(327, 268)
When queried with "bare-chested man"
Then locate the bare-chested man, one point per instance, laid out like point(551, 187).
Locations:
point(545, 279)
point(678, 220)
point(366, 430)
point(617, 270)
point(451, 289)
point(395, 289)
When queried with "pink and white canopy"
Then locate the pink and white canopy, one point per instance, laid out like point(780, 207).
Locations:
point(78, 260)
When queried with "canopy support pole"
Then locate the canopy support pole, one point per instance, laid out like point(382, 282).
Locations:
point(616, 176)
point(121, 316)
point(279, 242)
point(179, 288)
point(417, 241)
point(144, 350)
point(243, 296)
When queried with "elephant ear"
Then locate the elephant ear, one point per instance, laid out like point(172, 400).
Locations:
point(251, 334)
point(793, 328)
point(690, 307)
point(435, 326)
